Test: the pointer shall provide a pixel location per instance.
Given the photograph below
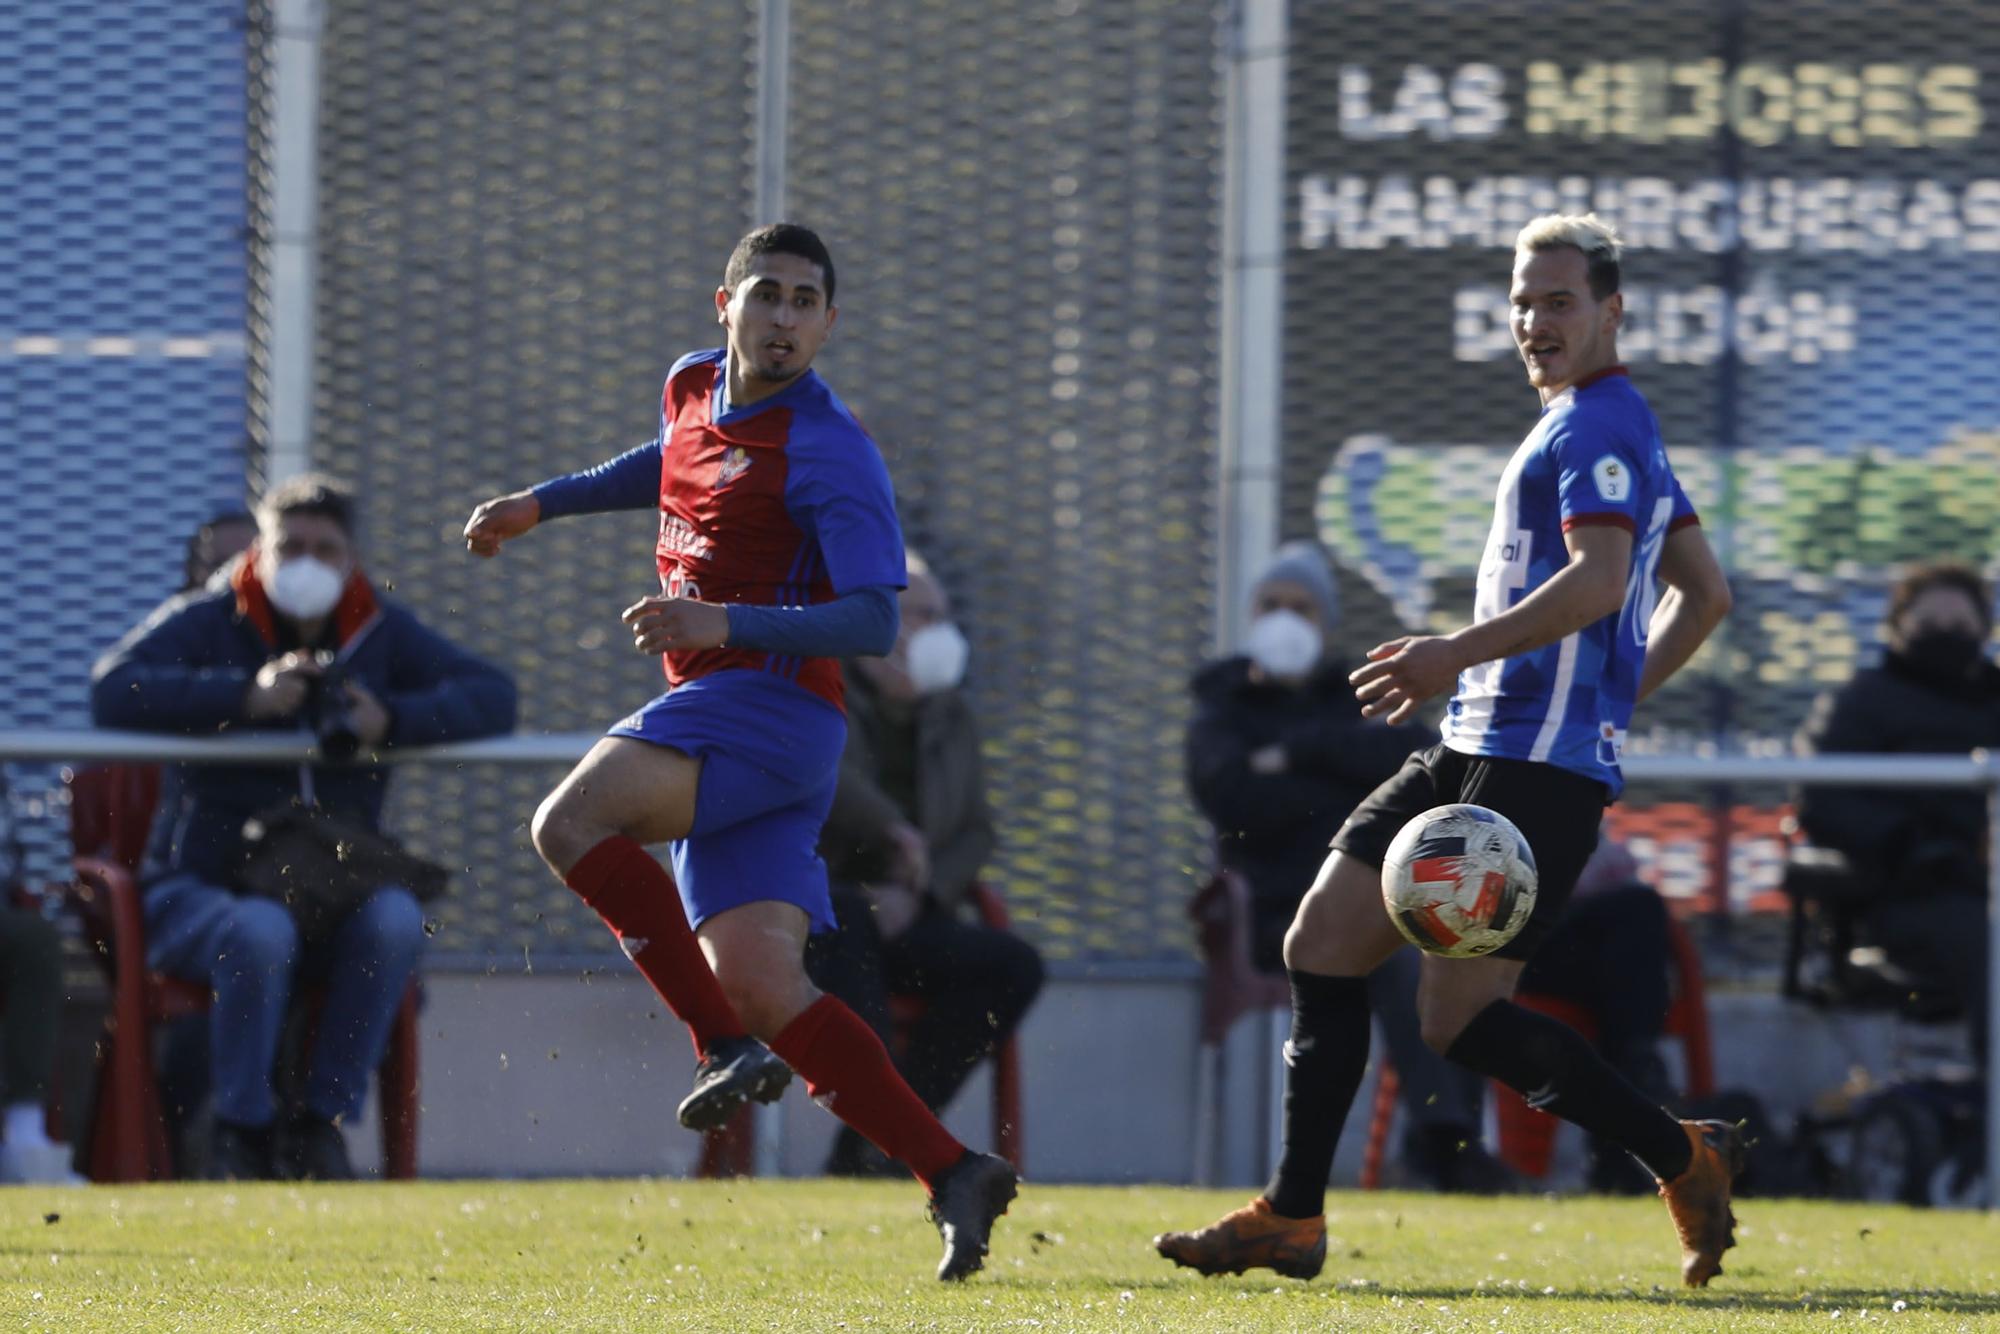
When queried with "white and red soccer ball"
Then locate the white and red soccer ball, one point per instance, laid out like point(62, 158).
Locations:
point(1459, 881)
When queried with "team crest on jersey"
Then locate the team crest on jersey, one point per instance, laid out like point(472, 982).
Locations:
point(735, 463)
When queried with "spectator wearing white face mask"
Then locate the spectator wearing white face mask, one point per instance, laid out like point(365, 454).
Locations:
point(907, 836)
point(1277, 756)
point(290, 637)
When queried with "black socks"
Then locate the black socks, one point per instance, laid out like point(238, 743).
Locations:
point(1324, 1062)
point(1556, 1069)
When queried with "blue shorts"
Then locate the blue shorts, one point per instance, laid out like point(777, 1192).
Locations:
point(770, 755)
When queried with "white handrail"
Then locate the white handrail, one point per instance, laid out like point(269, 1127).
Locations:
point(85, 746)
point(1979, 769)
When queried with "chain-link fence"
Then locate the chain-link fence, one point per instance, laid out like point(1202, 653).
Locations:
point(524, 211)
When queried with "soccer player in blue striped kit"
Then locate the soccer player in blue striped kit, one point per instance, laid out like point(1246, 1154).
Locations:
point(1568, 634)
point(779, 553)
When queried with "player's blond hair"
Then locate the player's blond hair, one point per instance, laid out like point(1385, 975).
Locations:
point(1595, 238)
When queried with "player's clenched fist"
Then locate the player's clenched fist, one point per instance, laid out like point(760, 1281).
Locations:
point(662, 624)
point(500, 518)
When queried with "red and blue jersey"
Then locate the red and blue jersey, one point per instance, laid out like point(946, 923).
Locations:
point(1595, 457)
point(782, 502)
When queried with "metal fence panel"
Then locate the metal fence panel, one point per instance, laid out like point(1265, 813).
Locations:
point(122, 299)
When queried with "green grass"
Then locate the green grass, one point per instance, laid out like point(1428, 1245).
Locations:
point(619, 1255)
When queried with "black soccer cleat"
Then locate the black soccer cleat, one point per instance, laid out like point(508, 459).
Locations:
point(735, 1071)
point(971, 1194)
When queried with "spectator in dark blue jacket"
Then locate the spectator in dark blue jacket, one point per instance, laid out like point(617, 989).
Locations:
point(261, 650)
point(1278, 755)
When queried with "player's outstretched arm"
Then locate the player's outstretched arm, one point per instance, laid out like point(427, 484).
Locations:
point(629, 482)
point(1696, 600)
point(1403, 673)
point(499, 520)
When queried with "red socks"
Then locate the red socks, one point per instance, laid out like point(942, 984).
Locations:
point(638, 900)
point(848, 1071)
point(844, 1064)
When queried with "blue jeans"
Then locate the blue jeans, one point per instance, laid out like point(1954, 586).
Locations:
point(246, 950)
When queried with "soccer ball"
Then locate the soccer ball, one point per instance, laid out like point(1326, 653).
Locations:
point(1459, 881)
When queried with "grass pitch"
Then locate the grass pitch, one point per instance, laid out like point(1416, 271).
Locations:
point(811, 1255)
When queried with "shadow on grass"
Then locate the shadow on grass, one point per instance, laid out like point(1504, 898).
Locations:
point(1933, 1299)
point(1940, 1300)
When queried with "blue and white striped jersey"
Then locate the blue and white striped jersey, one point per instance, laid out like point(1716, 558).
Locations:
point(1594, 457)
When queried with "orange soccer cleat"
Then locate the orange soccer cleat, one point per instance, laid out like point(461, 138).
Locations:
point(1250, 1238)
point(1698, 1199)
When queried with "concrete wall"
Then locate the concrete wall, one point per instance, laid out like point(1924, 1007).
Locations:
point(554, 1075)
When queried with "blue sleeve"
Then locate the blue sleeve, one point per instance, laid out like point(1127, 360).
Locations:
point(862, 623)
point(629, 482)
point(170, 673)
point(838, 491)
point(1597, 474)
point(1684, 511)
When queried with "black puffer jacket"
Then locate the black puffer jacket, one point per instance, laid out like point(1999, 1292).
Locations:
point(1273, 828)
point(1912, 840)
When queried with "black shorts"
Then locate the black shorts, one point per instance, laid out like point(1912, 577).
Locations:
point(1557, 811)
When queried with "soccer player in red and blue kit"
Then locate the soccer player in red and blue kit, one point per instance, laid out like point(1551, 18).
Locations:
point(779, 553)
point(1567, 636)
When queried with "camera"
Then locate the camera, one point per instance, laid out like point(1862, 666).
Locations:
point(329, 713)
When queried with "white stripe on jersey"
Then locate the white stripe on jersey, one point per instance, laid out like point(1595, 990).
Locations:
point(1503, 566)
point(1545, 740)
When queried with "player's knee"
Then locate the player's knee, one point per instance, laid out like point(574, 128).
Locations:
point(1303, 953)
point(560, 832)
point(1315, 943)
point(764, 998)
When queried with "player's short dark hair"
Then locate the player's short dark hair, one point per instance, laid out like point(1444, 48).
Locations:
point(778, 238)
point(1918, 580)
point(308, 493)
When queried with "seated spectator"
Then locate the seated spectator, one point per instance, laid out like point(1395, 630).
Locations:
point(1278, 755)
point(214, 544)
point(1610, 955)
point(907, 836)
point(31, 995)
point(293, 637)
point(183, 1062)
point(1924, 850)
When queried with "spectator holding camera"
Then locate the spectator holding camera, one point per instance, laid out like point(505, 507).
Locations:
point(293, 638)
point(1926, 850)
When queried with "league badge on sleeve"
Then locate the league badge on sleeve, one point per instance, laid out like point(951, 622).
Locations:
point(1613, 478)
